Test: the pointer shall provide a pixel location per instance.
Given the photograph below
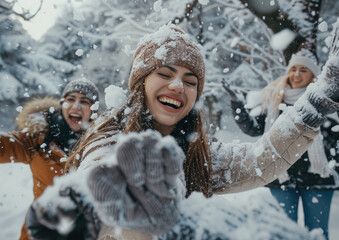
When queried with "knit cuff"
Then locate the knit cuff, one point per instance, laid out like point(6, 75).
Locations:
point(322, 106)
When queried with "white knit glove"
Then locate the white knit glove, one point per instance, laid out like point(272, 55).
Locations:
point(139, 191)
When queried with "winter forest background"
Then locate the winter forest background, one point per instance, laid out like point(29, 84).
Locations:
point(247, 43)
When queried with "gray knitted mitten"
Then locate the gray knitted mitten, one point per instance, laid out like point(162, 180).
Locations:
point(139, 192)
point(323, 95)
point(62, 213)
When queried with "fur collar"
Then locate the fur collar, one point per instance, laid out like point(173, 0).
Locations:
point(32, 118)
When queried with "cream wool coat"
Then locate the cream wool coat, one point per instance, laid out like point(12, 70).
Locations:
point(236, 167)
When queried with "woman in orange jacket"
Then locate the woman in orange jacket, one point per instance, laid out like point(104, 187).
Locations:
point(47, 130)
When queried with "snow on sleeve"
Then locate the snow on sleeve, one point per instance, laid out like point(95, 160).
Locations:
point(99, 151)
point(256, 217)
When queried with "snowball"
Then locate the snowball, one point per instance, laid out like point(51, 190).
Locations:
point(65, 105)
point(115, 97)
point(94, 115)
point(335, 128)
point(203, 2)
point(282, 39)
point(226, 70)
point(253, 99)
point(79, 52)
point(127, 111)
point(95, 106)
point(19, 109)
point(332, 164)
point(235, 41)
point(323, 27)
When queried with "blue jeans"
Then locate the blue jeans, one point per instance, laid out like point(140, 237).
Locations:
point(316, 205)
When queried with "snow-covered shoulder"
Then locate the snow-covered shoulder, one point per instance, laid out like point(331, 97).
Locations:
point(253, 218)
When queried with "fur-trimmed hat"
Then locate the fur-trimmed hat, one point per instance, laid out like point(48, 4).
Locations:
point(83, 86)
point(305, 58)
point(168, 46)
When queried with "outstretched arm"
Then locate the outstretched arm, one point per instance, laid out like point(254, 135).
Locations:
point(16, 146)
point(64, 211)
point(252, 126)
point(240, 167)
point(136, 187)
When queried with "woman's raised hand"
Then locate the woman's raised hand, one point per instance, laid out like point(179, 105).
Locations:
point(323, 95)
point(140, 191)
point(63, 212)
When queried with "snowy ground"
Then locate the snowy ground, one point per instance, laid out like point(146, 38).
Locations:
point(16, 195)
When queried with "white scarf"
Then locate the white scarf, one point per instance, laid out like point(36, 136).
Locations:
point(316, 152)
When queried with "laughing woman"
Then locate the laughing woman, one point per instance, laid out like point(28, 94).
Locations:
point(310, 177)
point(141, 161)
point(47, 130)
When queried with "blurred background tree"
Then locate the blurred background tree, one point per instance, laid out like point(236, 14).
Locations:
point(245, 42)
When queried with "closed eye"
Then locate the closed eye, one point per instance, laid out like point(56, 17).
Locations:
point(164, 75)
point(190, 83)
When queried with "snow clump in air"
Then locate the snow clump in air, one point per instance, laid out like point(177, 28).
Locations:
point(79, 52)
point(204, 2)
point(19, 109)
point(115, 97)
point(323, 27)
point(282, 39)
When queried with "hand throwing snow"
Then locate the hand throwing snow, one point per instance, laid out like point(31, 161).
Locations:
point(63, 212)
point(140, 190)
point(323, 95)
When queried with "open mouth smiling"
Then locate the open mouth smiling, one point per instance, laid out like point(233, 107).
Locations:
point(170, 102)
point(75, 117)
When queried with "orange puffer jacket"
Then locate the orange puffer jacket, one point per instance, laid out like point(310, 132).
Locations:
point(22, 146)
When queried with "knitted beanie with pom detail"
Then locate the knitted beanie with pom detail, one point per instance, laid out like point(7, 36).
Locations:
point(305, 58)
point(168, 46)
point(83, 86)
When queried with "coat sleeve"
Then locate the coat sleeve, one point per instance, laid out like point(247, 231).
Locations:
point(252, 126)
point(16, 147)
point(244, 166)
